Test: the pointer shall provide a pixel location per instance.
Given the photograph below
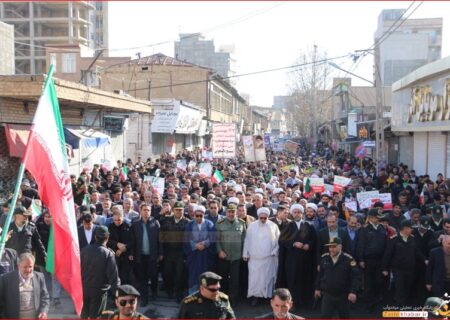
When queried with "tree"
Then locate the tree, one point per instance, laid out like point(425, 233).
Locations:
point(308, 86)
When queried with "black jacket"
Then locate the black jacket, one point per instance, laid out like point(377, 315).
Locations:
point(27, 240)
point(401, 255)
point(98, 268)
point(136, 233)
point(371, 243)
point(323, 237)
point(119, 234)
point(436, 272)
point(341, 277)
point(171, 235)
point(270, 315)
point(82, 241)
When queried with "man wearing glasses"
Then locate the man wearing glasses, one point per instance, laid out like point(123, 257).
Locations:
point(126, 303)
point(208, 302)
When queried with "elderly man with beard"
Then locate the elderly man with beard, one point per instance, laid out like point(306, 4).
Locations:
point(261, 252)
point(300, 242)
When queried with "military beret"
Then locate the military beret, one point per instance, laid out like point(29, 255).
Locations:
point(178, 205)
point(334, 242)
point(405, 224)
point(231, 207)
point(374, 213)
point(21, 210)
point(101, 231)
point(209, 278)
point(126, 290)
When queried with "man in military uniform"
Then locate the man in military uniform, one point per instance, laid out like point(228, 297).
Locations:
point(126, 303)
point(230, 242)
point(402, 257)
point(208, 302)
point(338, 281)
point(98, 274)
point(171, 239)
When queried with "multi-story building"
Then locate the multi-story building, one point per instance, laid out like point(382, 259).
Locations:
point(411, 44)
point(194, 49)
point(39, 24)
point(177, 85)
point(6, 49)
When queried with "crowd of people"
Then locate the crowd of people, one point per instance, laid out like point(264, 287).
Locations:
point(260, 228)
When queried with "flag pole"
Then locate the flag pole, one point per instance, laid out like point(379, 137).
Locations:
point(12, 204)
point(11, 209)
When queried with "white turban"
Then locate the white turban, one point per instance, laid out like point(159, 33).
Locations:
point(312, 206)
point(200, 208)
point(233, 200)
point(296, 206)
point(263, 210)
point(277, 190)
point(259, 190)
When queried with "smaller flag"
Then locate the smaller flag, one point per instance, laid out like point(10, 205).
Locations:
point(422, 197)
point(123, 174)
point(85, 200)
point(35, 210)
point(217, 177)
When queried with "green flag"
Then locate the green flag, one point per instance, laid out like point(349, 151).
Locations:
point(50, 262)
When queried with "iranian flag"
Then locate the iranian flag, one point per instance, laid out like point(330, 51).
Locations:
point(45, 158)
point(217, 177)
point(307, 188)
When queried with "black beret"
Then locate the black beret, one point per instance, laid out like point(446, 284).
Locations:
point(126, 290)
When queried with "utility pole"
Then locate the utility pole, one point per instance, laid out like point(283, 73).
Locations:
point(379, 121)
point(314, 99)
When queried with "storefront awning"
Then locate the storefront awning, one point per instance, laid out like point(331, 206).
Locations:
point(17, 138)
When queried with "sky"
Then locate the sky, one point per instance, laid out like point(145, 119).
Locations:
point(265, 34)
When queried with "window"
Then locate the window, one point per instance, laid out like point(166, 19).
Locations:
point(69, 63)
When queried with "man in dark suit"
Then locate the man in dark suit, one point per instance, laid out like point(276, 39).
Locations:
point(23, 293)
point(144, 250)
point(281, 303)
point(436, 276)
point(86, 231)
point(331, 231)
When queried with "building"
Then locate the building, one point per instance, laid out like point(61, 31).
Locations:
point(162, 78)
point(193, 48)
point(421, 117)
point(39, 24)
point(6, 49)
point(354, 109)
point(412, 43)
point(87, 114)
point(100, 25)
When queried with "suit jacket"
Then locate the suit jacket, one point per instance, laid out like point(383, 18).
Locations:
point(10, 296)
point(82, 241)
point(324, 237)
point(436, 272)
point(136, 235)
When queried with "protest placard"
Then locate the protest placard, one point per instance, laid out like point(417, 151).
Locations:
point(365, 198)
point(224, 140)
point(340, 183)
point(317, 185)
point(205, 169)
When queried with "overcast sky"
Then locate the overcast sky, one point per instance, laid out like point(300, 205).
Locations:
point(265, 34)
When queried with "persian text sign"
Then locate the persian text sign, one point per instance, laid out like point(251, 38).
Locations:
point(165, 118)
point(224, 140)
point(365, 198)
point(340, 183)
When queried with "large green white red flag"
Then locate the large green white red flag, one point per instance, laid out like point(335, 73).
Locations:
point(45, 158)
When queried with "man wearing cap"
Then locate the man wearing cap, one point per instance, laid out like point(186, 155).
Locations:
point(208, 302)
point(338, 281)
point(171, 239)
point(371, 246)
point(300, 244)
point(24, 234)
point(126, 300)
point(402, 256)
point(199, 247)
point(98, 274)
point(261, 252)
point(230, 240)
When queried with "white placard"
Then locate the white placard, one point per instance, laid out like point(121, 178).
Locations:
point(205, 169)
point(365, 198)
point(165, 119)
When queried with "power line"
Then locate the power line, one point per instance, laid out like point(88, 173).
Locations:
point(249, 73)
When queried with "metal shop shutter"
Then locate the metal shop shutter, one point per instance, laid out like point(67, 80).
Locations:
point(420, 152)
point(437, 143)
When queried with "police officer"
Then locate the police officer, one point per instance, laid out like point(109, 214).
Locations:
point(24, 234)
point(171, 239)
point(338, 281)
point(402, 256)
point(98, 273)
point(370, 250)
point(126, 302)
point(230, 242)
point(208, 302)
